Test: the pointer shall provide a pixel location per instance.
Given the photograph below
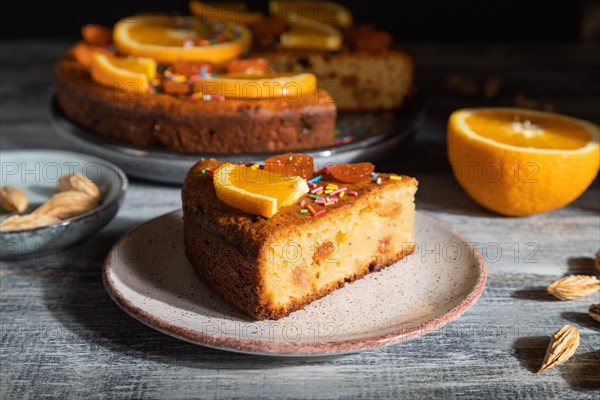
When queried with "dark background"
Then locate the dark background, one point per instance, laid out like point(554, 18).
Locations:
point(473, 20)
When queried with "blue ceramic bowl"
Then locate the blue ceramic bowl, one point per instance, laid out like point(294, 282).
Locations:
point(36, 172)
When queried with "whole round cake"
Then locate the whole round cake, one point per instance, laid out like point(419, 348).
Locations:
point(227, 82)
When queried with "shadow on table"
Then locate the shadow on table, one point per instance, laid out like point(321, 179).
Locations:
point(86, 310)
point(530, 351)
point(582, 319)
point(580, 371)
point(83, 307)
point(535, 293)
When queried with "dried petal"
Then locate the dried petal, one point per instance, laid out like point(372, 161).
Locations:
point(67, 204)
point(13, 199)
point(27, 221)
point(78, 182)
point(562, 346)
point(574, 287)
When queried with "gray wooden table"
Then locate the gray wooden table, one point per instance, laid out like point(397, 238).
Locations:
point(62, 336)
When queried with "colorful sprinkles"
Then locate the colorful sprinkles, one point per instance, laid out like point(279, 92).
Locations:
point(329, 194)
point(315, 179)
point(325, 196)
point(320, 212)
point(339, 191)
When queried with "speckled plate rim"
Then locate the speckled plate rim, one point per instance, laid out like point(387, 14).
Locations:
point(68, 221)
point(291, 349)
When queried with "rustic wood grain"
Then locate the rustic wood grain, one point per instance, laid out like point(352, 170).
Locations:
point(62, 337)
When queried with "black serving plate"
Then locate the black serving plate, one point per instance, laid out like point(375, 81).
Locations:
point(360, 137)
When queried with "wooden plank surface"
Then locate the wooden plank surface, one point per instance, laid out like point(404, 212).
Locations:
point(62, 337)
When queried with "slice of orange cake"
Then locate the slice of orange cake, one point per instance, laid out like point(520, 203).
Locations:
point(271, 239)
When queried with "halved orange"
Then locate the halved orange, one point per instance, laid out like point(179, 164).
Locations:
point(221, 12)
point(166, 38)
point(263, 86)
point(323, 11)
point(307, 34)
point(519, 162)
point(255, 190)
point(131, 74)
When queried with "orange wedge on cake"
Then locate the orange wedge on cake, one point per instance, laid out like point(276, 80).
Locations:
point(322, 11)
point(263, 86)
point(224, 12)
point(166, 38)
point(308, 34)
point(255, 190)
point(83, 53)
point(131, 74)
point(520, 162)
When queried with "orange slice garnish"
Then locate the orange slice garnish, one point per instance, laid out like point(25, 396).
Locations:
point(167, 39)
point(83, 53)
point(323, 11)
point(130, 74)
point(307, 34)
point(520, 162)
point(265, 86)
point(221, 12)
point(96, 35)
point(255, 190)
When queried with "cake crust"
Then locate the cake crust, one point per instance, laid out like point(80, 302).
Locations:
point(228, 247)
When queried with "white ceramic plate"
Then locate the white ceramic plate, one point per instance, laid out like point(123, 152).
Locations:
point(147, 275)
